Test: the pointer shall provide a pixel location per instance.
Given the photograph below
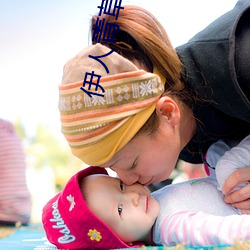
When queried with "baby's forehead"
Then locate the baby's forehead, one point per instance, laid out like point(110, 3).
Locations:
point(99, 183)
point(91, 183)
point(99, 177)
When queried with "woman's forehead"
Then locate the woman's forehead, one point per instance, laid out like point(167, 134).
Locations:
point(127, 155)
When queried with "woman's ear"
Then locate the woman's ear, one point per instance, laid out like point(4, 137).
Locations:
point(168, 109)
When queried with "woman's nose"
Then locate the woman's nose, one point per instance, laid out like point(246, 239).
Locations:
point(126, 177)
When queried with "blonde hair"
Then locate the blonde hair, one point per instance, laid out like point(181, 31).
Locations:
point(143, 39)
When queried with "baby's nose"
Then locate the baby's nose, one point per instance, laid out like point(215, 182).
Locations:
point(133, 197)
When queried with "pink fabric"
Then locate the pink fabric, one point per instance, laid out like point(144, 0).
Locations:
point(201, 229)
point(15, 200)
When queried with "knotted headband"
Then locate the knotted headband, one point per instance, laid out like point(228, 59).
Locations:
point(99, 126)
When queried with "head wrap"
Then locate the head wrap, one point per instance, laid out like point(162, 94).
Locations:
point(70, 224)
point(99, 126)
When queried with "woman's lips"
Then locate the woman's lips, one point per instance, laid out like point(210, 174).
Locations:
point(148, 183)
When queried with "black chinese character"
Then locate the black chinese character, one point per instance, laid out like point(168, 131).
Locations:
point(110, 29)
point(90, 82)
point(103, 64)
point(107, 10)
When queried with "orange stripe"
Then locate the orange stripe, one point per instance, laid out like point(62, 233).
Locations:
point(108, 111)
point(92, 134)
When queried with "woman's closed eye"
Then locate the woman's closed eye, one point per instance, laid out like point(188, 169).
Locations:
point(121, 186)
point(120, 206)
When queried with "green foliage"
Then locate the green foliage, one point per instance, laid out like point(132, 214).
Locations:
point(45, 150)
point(48, 150)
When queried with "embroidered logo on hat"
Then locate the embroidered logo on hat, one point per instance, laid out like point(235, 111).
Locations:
point(60, 224)
point(70, 198)
point(94, 235)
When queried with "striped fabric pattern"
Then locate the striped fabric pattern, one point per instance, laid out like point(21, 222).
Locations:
point(15, 200)
point(87, 120)
point(202, 229)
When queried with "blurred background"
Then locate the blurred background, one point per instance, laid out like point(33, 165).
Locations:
point(36, 39)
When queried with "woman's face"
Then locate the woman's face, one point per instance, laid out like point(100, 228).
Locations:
point(148, 159)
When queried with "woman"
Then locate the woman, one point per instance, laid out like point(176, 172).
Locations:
point(136, 125)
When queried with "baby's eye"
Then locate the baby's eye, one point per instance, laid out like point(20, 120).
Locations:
point(121, 186)
point(120, 206)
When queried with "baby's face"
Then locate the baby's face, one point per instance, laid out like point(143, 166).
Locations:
point(130, 211)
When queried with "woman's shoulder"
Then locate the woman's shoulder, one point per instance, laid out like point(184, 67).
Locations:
point(209, 65)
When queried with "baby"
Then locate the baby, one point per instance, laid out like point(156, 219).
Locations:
point(96, 211)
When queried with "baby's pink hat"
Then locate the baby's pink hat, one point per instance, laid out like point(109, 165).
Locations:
point(69, 223)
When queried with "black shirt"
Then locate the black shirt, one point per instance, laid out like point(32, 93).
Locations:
point(217, 66)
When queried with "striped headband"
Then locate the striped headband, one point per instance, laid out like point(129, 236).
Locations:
point(99, 126)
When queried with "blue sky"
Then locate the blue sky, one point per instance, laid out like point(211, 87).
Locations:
point(38, 37)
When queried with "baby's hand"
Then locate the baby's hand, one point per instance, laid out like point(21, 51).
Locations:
point(240, 198)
